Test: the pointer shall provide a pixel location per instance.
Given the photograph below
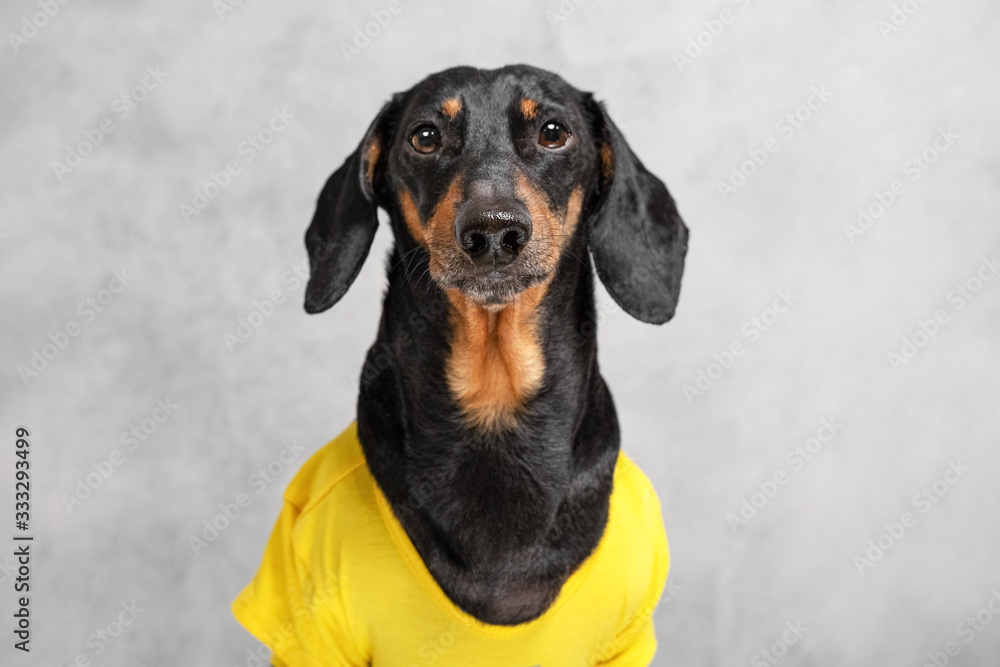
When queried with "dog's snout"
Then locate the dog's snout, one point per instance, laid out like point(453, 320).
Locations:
point(493, 232)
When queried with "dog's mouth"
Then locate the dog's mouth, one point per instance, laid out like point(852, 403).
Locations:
point(494, 287)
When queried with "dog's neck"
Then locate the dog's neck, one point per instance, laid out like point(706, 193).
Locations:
point(491, 433)
point(495, 365)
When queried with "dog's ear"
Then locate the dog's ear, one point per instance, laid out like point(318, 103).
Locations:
point(636, 235)
point(346, 217)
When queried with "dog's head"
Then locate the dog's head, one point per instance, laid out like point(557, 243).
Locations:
point(491, 172)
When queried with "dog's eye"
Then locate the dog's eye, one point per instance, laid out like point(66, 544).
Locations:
point(426, 139)
point(553, 135)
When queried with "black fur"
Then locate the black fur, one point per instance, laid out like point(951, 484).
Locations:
point(500, 517)
point(636, 234)
point(344, 225)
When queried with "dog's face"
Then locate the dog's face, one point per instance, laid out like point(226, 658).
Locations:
point(491, 172)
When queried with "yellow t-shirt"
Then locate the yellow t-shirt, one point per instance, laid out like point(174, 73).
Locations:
point(342, 585)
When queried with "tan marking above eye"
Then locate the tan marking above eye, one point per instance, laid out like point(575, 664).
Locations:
point(451, 107)
point(529, 108)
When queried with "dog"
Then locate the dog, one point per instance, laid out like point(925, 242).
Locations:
point(483, 423)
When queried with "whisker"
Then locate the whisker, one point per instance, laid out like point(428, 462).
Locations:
point(410, 268)
point(573, 255)
point(430, 281)
point(402, 258)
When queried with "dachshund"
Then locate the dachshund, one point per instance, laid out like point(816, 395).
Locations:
point(482, 417)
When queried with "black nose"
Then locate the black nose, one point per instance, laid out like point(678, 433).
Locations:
point(493, 234)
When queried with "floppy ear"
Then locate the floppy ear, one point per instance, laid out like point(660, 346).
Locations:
point(636, 235)
point(345, 221)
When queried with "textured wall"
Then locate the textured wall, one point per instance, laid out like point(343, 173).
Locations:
point(880, 96)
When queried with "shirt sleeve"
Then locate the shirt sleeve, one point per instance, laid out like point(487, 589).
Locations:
point(635, 643)
point(283, 608)
point(638, 646)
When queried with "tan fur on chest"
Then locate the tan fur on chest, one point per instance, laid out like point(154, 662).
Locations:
point(496, 360)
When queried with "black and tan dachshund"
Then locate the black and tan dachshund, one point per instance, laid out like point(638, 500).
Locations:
point(482, 388)
point(482, 414)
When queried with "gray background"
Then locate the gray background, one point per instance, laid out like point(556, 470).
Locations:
point(731, 592)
